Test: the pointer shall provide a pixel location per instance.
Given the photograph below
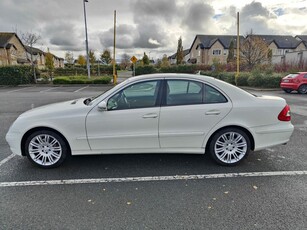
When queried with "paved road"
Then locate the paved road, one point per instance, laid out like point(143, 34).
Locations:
point(203, 196)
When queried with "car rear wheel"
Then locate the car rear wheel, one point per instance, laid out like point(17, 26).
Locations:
point(229, 146)
point(46, 149)
point(302, 89)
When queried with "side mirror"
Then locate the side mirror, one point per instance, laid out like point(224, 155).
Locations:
point(102, 106)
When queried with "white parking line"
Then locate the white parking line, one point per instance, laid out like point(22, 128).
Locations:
point(78, 90)
point(49, 89)
point(6, 159)
point(16, 90)
point(151, 178)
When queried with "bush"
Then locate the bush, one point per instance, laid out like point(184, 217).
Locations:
point(242, 79)
point(81, 80)
point(148, 69)
point(77, 71)
point(16, 75)
point(103, 80)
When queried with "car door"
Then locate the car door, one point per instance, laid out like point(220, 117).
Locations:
point(190, 110)
point(130, 121)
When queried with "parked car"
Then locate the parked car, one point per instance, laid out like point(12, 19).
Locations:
point(157, 113)
point(295, 81)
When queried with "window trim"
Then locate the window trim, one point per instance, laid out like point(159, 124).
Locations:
point(164, 88)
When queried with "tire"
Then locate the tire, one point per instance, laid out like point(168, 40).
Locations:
point(302, 89)
point(288, 90)
point(46, 149)
point(229, 146)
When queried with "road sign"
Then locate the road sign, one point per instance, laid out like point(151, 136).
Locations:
point(133, 59)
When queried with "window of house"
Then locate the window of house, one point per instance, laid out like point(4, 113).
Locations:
point(216, 52)
point(225, 52)
point(198, 53)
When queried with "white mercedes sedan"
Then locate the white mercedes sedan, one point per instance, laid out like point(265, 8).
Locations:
point(157, 113)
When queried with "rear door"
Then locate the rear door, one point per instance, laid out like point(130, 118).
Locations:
point(189, 111)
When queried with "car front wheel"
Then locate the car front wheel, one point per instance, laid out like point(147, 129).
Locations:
point(229, 146)
point(46, 149)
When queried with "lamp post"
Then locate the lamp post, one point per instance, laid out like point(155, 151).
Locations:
point(86, 43)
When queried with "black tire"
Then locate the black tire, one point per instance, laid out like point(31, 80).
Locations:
point(288, 90)
point(229, 146)
point(302, 89)
point(46, 149)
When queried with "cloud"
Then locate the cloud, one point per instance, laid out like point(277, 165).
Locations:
point(198, 16)
point(64, 36)
point(256, 17)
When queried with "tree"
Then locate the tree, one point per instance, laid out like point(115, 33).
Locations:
point(165, 61)
point(92, 57)
point(125, 61)
point(31, 39)
point(145, 59)
point(49, 63)
point(69, 57)
point(253, 50)
point(231, 52)
point(105, 57)
point(81, 60)
point(179, 55)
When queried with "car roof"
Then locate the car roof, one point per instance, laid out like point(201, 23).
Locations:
point(229, 89)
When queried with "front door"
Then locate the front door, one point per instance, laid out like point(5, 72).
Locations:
point(130, 122)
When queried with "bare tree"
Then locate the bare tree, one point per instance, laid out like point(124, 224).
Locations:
point(253, 50)
point(69, 57)
point(125, 61)
point(31, 39)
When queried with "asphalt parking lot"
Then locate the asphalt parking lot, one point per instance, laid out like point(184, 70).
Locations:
point(267, 191)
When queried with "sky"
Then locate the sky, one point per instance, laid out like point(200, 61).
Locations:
point(151, 26)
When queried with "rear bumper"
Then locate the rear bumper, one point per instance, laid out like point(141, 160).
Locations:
point(273, 135)
point(291, 86)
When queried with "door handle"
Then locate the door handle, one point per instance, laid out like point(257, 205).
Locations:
point(213, 112)
point(150, 115)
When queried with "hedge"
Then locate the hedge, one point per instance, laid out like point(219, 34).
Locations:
point(81, 80)
point(16, 75)
point(77, 71)
point(253, 79)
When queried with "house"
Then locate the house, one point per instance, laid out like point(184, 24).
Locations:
point(12, 50)
point(58, 62)
point(186, 57)
point(207, 48)
point(38, 56)
point(302, 38)
point(282, 44)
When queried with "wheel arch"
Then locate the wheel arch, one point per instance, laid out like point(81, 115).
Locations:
point(29, 132)
point(248, 133)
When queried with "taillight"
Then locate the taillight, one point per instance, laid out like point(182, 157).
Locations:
point(285, 115)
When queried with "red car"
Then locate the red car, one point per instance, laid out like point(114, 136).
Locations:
point(295, 81)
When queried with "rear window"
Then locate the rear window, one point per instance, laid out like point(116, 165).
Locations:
point(292, 75)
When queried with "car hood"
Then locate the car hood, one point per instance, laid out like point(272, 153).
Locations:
point(57, 109)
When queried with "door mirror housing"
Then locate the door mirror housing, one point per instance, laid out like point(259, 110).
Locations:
point(102, 106)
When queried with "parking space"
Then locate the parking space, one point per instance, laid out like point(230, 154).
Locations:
point(154, 191)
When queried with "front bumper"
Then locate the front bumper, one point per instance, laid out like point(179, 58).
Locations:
point(13, 138)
